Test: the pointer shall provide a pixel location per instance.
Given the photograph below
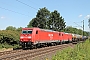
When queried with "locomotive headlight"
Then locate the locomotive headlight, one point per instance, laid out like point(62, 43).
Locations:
point(21, 37)
point(29, 36)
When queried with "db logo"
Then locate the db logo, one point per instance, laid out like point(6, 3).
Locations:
point(51, 36)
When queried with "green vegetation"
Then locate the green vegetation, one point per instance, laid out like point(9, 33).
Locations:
point(80, 52)
point(8, 46)
point(9, 38)
point(70, 29)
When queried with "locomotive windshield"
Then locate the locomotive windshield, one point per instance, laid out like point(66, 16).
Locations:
point(27, 31)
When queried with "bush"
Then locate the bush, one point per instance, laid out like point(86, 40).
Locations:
point(9, 37)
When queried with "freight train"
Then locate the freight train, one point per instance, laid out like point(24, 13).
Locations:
point(36, 37)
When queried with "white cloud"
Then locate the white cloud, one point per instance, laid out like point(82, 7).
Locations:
point(80, 15)
point(2, 17)
point(88, 16)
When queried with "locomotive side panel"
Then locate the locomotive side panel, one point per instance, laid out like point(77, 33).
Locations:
point(47, 36)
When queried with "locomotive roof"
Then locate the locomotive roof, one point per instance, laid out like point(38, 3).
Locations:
point(31, 28)
point(49, 30)
point(46, 30)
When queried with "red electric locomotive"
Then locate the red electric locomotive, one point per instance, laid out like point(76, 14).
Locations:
point(35, 37)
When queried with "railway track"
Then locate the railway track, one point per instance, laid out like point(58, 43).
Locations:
point(11, 52)
point(31, 54)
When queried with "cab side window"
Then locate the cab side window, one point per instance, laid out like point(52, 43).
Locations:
point(59, 34)
point(37, 32)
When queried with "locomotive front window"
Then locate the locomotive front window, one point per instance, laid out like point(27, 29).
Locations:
point(24, 32)
point(27, 31)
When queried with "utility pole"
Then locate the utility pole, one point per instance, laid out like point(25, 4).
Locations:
point(89, 25)
point(83, 28)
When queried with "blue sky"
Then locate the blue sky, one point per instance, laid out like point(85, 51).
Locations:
point(71, 10)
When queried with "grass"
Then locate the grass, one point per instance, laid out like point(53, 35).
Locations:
point(6, 46)
point(80, 52)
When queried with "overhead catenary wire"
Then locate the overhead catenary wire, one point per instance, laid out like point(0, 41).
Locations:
point(26, 5)
point(14, 11)
point(34, 3)
point(78, 25)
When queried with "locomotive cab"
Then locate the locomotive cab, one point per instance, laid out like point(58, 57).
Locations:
point(26, 37)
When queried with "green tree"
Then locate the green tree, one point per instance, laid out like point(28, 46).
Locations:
point(34, 23)
point(70, 29)
point(10, 28)
point(19, 29)
point(41, 19)
point(56, 22)
point(31, 23)
point(9, 37)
